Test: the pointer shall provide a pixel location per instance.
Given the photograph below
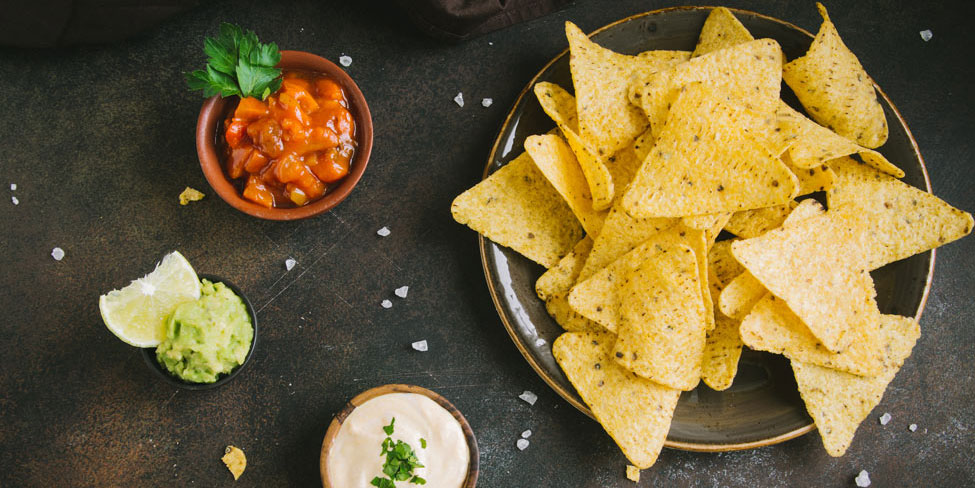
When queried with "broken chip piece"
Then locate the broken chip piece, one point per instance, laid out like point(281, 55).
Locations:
point(190, 195)
point(632, 473)
point(235, 460)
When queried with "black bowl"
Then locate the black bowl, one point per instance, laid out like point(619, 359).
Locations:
point(149, 353)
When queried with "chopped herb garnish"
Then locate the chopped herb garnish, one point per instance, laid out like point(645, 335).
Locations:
point(237, 64)
point(400, 462)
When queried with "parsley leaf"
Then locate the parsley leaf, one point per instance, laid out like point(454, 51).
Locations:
point(400, 462)
point(423, 443)
point(237, 64)
point(389, 428)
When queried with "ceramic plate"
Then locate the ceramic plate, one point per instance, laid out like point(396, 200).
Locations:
point(762, 407)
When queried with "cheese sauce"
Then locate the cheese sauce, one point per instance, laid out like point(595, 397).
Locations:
point(354, 458)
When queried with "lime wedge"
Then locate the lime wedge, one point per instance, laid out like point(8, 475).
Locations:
point(137, 313)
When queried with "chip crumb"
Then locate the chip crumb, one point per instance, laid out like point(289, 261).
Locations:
point(884, 418)
point(383, 232)
point(190, 195)
point(387, 304)
point(290, 263)
point(912, 427)
point(459, 99)
point(402, 291)
point(13, 187)
point(522, 444)
point(345, 60)
point(235, 460)
point(633, 473)
point(863, 479)
point(526, 434)
point(15, 200)
point(486, 102)
point(540, 342)
point(421, 345)
point(57, 253)
point(529, 397)
point(926, 35)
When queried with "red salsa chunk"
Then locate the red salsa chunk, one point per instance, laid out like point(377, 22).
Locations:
point(289, 149)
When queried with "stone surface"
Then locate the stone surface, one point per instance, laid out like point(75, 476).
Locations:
point(101, 141)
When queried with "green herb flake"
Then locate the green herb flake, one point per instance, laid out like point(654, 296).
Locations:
point(400, 462)
point(423, 443)
point(389, 428)
point(237, 64)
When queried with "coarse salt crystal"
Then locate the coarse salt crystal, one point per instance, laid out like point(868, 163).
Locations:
point(402, 291)
point(345, 60)
point(529, 397)
point(57, 253)
point(421, 345)
point(487, 102)
point(913, 427)
point(290, 263)
point(926, 34)
point(526, 434)
point(15, 200)
point(540, 342)
point(863, 479)
point(490, 43)
point(13, 187)
point(884, 418)
point(387, 304)
point(522, 444)
point(459, 99)
point(383, 232)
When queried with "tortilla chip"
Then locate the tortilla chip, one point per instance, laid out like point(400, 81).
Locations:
point(662, 330)
point(813, 265)
point(712, 233)
point(839, 401)
point(819, 178)
point(722, 351)
point(235, 460)
point(772, 327)
point(896, 219)
point(619, 235)
point(554, 285)
point(749, 73)
point(753, 223)
point(702, 163)
point(601, 79)
point(721, 30)
point(561, 107)
point(725, 266)
point(807, 208)
point(703, 222)
point(740, 295)
point(633, 473)
point(516, 207)
point(835, 89)
point(635, 412)
point(597, 297)
point(556, 161)
point(190, 195)
point(816, 145)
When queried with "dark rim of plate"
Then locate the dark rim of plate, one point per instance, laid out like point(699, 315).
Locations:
point(570, 395)
point(149, 353)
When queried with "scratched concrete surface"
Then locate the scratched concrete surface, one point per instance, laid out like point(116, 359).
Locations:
point(99, 141)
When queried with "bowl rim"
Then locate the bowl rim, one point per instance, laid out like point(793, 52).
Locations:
point(333, 428)
point(149, 353)
point(213, 111)
point(483, 242)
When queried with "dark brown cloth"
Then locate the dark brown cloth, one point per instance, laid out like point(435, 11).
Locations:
point(457, 20)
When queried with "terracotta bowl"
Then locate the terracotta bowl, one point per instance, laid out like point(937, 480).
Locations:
point(333, 428)
point(149, 353)
point(215, 110)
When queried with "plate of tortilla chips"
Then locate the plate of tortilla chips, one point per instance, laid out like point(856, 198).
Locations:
point(708, 229)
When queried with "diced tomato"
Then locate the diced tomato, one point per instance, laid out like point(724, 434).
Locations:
point(250, 109)
point(235, 132)
point(238, 156)
point(256, 161)
point(258, 193)
point(329, 89)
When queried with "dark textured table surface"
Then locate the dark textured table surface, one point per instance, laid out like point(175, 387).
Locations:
point(100, 141)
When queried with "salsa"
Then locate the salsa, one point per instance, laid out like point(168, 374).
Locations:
point(287, 150)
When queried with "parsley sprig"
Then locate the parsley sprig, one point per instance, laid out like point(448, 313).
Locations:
point(400, 462)
point(237, 64)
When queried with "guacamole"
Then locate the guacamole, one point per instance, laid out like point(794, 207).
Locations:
point(207, 337)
